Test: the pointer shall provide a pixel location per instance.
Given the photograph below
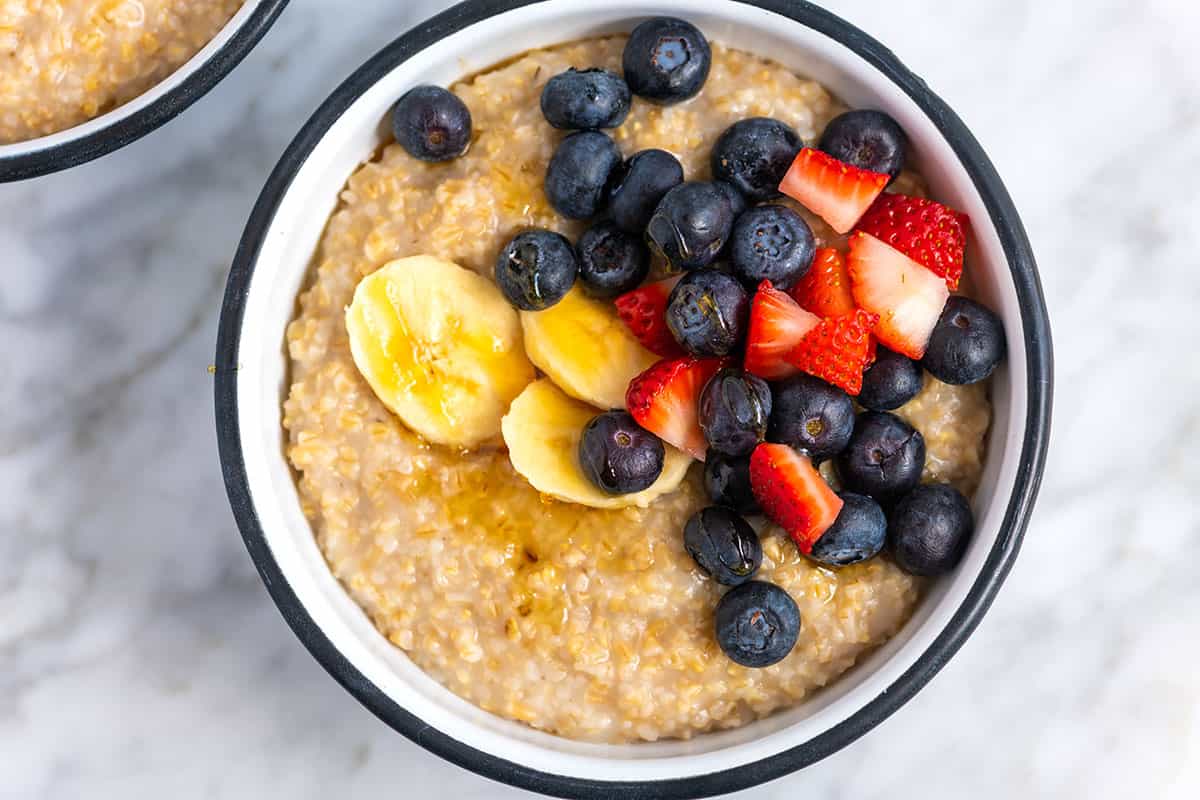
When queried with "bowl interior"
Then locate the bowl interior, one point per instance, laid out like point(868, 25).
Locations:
point(288, 242)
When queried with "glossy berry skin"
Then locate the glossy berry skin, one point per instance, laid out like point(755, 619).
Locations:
point(708, 312)
point(727, 481)
point(771, 243)
point(691, 225)
point(754, 154)
point(536, 269)
point(611, 261)
point(586, 99)
point(735, 408)
point(890, 382)
point(757, 624)
point(737, 200)
point(967, 343)
point(859, 533)
point(578, 175)
point(884, 458)
point(929, 529)
point(812, 416)
point(640, 185)
point(666, 60)
point(618, 455)
point(723, 545)
point(867, 139)
point(432, 124)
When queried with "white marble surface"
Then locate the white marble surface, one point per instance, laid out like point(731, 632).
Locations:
point(140, 655)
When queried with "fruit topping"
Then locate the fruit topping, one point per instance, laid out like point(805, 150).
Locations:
point(644, 312)
point(727, 481)
point(737, 201)
point(866, 139)
point(858, 533)
point(771, 243)
point(967, 343)
point(618, 455)
point(666, 60)
point(792, 493)
point(890, 382)
point(432, 124)
point(579, 172)
point(777, 325)
point(664, 401)
point(884, 458)
point(638, 187)
point(838, 350)
point(929, 529)
point(691, 224)
point(757, 624)
point(825, 288)
point(708, 312)
point(536, 269)
point(586, 99)
point(754, 154)
point(611, 261)
point(723, 545)
point(837, 193)
point(907, 297)
point(928, 232)
point(811, 416)
point(735, 408)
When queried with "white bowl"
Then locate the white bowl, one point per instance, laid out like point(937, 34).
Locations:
point(159, 104)
point(271, 267)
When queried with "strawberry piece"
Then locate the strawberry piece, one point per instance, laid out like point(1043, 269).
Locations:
point(644, 312)
point(907, 297)
point(825, 288)
point(836, 192)
point(838, 350)
point(777, 324)
point(929, 233)
point(792, 493)
point(664, 400)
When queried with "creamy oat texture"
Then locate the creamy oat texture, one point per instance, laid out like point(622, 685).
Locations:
point(587, 623)
point(63, 62)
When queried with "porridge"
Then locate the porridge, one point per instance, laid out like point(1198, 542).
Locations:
point(63, 62)
point(588, 622)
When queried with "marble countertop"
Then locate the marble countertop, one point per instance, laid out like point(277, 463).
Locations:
point(140, 655)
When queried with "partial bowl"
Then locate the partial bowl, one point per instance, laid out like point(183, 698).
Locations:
point(272, 264)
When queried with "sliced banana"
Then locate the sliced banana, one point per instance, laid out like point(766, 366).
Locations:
point(584, 347)
point(440, 347)
point(542, 431)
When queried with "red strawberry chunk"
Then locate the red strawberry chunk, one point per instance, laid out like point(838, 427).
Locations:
point(929, 233)
point(825, 288)
point(838, 350)
point(644, 312)
point(664, 400)
point(907, 297)
point(792, 493)
point(836, 192)
point(777, 324)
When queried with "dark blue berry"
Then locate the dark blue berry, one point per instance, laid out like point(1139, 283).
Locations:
point(666, 60)
point(771, 243)
point(884, 458)
point(735, 407)
point(640, 185)
point(611, 261)
point(869, 140)
point(691, 224)
point(536, 269)
point(737, 200)
point(754, 154)
point(579, 173)
point(618, 455)
point(890, 382)
point(967, 343)
point(431, 124)
point(811, 415)
point(723, 545)
point(586, 99)
point(707, 313)
point(929, 529)
point(727, 481)
point(858, 533)
point(757, 624)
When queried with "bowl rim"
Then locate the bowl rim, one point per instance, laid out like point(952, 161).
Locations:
point(124, 129)
point(1039, 370)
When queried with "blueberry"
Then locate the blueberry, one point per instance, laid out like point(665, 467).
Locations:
point(754, 154)
point(640, 185)
point(737, 200)
point(869, 140)
point(579, 172)
point(734, 409)
point(727, 481)
point(858, 533)
point(666, 60)
point(536, 269)
point(929, 529)
point(618, 455)
point(771, 243)
point(691, 224)
point(707, 313)
point(586, 99)
point(723, 545)
point(611, 261)
point(890, 382)
point(812, 416)
point(884, 458)
point(967, 343)
point(757, 624)
point(432, 124)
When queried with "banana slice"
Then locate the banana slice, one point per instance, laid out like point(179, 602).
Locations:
point(440, 347)
point(584, 347)
point(542, 431)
